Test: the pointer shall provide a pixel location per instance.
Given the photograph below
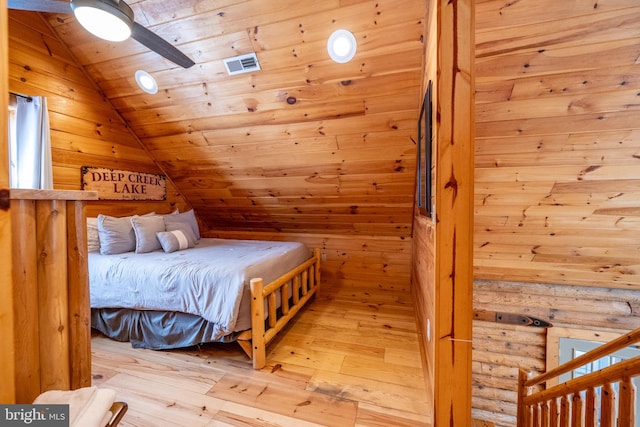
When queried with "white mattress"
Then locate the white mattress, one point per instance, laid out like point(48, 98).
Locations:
point(209, 280)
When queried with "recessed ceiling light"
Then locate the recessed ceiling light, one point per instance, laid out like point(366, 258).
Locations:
point(342, 46)
point(107, 20)
point(146, 82)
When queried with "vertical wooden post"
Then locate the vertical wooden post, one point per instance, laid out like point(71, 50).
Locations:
point(522, 392)
point(316, 276)
point(79, 299)
point(454, 178)
point(257, 324)
point(25, 299)
point(7, 345)
point(53, 296)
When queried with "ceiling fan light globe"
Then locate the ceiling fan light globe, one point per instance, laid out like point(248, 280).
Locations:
point(104, 19)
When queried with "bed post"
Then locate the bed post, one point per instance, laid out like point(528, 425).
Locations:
point(257, 324)
point(316, 270)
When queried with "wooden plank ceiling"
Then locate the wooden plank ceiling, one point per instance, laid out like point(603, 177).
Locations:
point(305, 144)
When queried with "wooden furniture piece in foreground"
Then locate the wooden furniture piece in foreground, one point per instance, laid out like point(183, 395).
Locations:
point(302, 282)
point(51, 291)
point(576, 402)
point(118, 409)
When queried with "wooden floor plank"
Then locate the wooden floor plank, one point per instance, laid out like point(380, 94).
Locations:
point(304, 405)
point(371, 391)
point(241, 415)
point(372, 416)
point(150, 398)
point(350, 358)
point(198, 379)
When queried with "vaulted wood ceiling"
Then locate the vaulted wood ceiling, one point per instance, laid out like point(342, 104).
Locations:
point(305, 144)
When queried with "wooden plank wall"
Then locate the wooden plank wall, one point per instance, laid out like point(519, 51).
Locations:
point(423, 260)
point(305, 145)
point(85, 128)
point(359, 263)
point(332, 179)
point(557, 198)
point(7, 350)
point(558, 142)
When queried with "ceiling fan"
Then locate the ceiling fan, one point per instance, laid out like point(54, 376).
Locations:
point(108, 19)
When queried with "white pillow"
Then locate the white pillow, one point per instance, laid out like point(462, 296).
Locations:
point(93, 241)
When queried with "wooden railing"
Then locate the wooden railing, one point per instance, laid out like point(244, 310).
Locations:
point(304, 281)
point(52, 317)
point(605, 398)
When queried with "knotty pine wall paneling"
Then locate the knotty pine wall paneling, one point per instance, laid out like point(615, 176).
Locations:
point(380, 262)
point(558, 135)
point(305, 145)
point(86, 130)
point(423, 260)
point(7, 346)
point(557, 181)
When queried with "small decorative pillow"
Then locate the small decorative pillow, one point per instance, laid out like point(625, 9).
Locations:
point(145, 229)
point(116, 235)
point(93, 241)
point(183, 220)
point(176, 240)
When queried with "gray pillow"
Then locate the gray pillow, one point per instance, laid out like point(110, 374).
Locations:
point(176, 240)
point(183, 220)
point(116, 235)
point(145, 229)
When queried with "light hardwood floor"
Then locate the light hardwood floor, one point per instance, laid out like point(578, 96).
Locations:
point(351, 358)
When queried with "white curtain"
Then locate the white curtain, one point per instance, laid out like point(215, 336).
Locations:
point(30, 146)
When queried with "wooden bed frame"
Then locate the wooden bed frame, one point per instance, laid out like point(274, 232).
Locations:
point(305, 282)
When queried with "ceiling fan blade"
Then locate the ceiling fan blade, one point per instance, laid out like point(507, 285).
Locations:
point(53, 6)
point(160, 46)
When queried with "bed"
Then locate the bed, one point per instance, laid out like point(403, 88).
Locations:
point(220, 290)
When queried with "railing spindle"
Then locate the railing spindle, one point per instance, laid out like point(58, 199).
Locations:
point(564, 411)
point(607, 406)
point(626, 408)
point(554, 413)
point(576, 410)
point(590, 407)
point(545, 414)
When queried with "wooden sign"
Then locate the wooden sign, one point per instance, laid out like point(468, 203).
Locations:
point(113, 184)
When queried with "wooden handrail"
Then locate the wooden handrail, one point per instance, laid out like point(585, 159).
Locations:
point(574, 402)
point(618, 344)
point(624, 369)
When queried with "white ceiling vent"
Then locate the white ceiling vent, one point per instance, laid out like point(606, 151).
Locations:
point(242, 64)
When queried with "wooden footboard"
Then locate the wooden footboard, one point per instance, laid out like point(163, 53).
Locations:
point(305, 282)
